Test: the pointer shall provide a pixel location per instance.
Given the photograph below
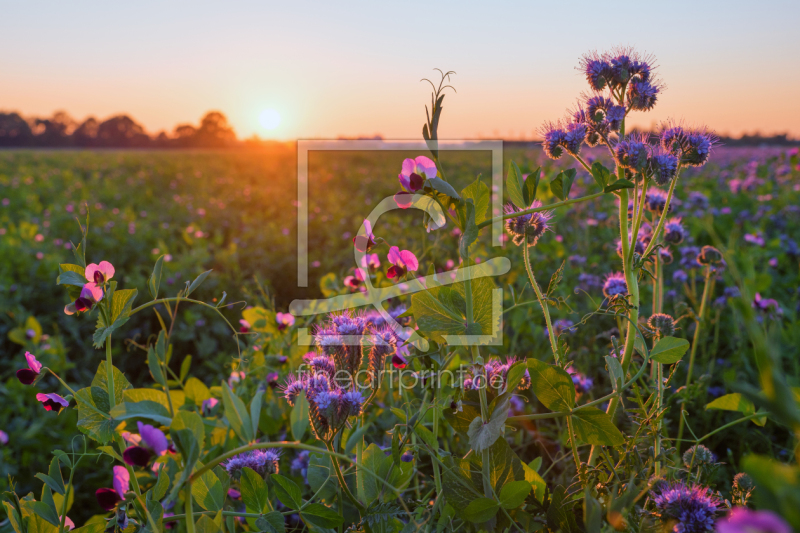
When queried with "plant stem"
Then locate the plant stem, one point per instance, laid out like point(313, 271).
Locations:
point(542, 208)
point(695, 343)
point(340, 477)
point(189, 518)
point(550, 333)
point(112, 398)
point(573, 445)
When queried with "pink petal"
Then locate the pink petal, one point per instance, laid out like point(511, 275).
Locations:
point(69, 523)
point(285, 318)
point(409, 167)
point(92, 292)
point(405, 181)
point(33, 364)
point(122, 481)
point(394, 256)
point(154, 438)
point(403, 199)
point(409, 260)
point(90, 270)
point(367, 228)
point(108, 269)
point(425, 166)
point(52, 396)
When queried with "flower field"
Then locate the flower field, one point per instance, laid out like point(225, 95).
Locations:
point(640, 383)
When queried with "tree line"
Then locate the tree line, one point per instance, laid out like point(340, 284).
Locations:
point(121, 131)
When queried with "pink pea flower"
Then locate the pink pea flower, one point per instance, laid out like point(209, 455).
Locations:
point(68, 523)
point(236, 377)
point(52, 402)
point(208, 405)
point(364, 243)
point(371, 261)
point(354, 282)
point(153, 442)
point(402, 261)
point(27, 376)
point(245, 326)
point(284, 320)
point(743, 520)
point(91, 293)
point(99, 274)
point(3, 437)
point(414, 173)
point(109, 498)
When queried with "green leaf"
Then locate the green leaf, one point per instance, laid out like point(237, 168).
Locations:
point(562, 183)
point(552, 385)
point(531, 186)
point(45, 512)
point(71, 277)
point(254, 491)
point(287, 491)
point(207, 492)
point(615, 372)
point(205, 524)
point(669, 350)
point(514, 493)
point(255, 410)
point(155, 367)
point(601, 174)
point(237, 415)
point(196, 391)
point(515, 374)
point(186, 365)
point(470, 233)
point(92, 405)
point(535, 480)
point(187, 445)
point(14, 518)
point(321, 516)
point(53, 478)
point(479, 193)
point(733, 402)
point(443, 187)
point(162, 484)
point(272, 522)
point(121, 303)
point(121, 384)
point(374, 460)
point(619, 184)
point(480, 510)
point(147, 409)
point(594, 426)
point(321, 477)
point(154, 282)
point(482, 436)
point(197, 281)
point(514, 186)
point(191, 421)
point(299, 417)
point(555, 279)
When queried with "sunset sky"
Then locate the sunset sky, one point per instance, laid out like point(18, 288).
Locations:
point(354, 68)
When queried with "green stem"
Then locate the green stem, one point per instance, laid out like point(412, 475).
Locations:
point(695, 343)
point(663, 219)
point(542, 208)
point(550, 333)
point(112, 399)
point(729, 424)
point(573, 445)
point(340, 477)
point(179, 299)
point(189, 517)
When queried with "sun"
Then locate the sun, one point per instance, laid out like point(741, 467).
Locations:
point(269, 119)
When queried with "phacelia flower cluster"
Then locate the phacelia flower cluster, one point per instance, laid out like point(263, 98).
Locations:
point(532, 225)
point(263, 462)
point(693, 509)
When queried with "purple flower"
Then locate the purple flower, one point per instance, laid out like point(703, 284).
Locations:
point(697, 147)
point(52, 401)
point(744, 520)
point(534, 225)
point(152, 442)
point(234, 494)
point(694, 508)
point(109, 498)
point(574, 137)
point(765, 305)
point(680, 276)
point(292, 388)
point(27, 376)
point(263, 462)
point(300, 464)
point(632, 153)
point(614, 116)
point(582, 382)
point(597, 70)
point(208, 405)
point(407, 457)
point(754, 238)
point(656, 201)
point(674, 232)
point(99, 274)
point(642, 95)
point(284, 320)
point(353, 401)
point(664, 166)
point(402, 261)
point(3, 437)
point(615, 285)
point(554, 139)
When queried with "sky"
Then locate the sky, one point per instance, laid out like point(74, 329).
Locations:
point(354, 68)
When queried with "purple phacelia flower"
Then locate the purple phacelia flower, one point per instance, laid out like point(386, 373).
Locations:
point(574, 138)
point(597, 70)
point(642, 95)
point(656, 201)
point(697, 147)
point(614, 117)
point(664, 167)
point(597, 108)
point(633, 152)
point(353, 400)
point(292, 388)
point(534, 225)
point(674, 232)
point(693, 508)
point(615, 285)
point(263, 462)
point(744, 520)
point(582, 382)
point(554, 139)
point(300, 465)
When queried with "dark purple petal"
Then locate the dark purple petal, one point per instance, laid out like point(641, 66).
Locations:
point(107, 498)
point(137, 456)
point(26, 376)
point(415, 182)
point(399, 362)
point(83, 304)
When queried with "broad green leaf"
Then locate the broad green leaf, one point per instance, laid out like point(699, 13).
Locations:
point(514, 493)
point(207, 492)
point(439, 185)
point(536, 481)
point(562, 183)
point(155, 367)
point(237, 415)
point(121, 384)
point(321, 477)
point(261, 320)
point(374, 460)
point(205, 524)
point(601, 174)
point(737, 402)
point(299, 417)
point(140, 395)
point(470, 233)
point(669, 350)
point(255, 410)
point(196, 391)
point(254, 491)
point(92, 406)
point(480, 510)
point(321, 516)
point(272, 522)
point(191, 421)
point(197, 281)
point(121, 302)
point(479, 193)
point(531, 186)
point(515, 375)
point(615, 372)
point(594, 426)
point(70, 277)
point(287, 491)
point(146, 409)
point(187, 446)
point(162, 484)
point(514, 185)
point(154, 282)
point(53, 478)
point(552, 385)
point(619, 184)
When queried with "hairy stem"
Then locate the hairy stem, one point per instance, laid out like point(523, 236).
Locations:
point(336, 468)
point(550, 333)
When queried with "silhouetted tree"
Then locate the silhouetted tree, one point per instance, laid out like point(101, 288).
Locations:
point(54, 131)
point(184, 136)
point(214, 131)
point(85, 135)
point(14, 131)
point(121, 132)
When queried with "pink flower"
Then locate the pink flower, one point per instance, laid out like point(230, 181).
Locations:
point(27, 376)
point(414, 173)
point(208, 405)
point(236, 377)
point(91, 293)
point(245, 326)
point(371, 261)
point(354, 282)
point(52, 402)
point(364, 243)
point(743, 520)
point(101, 273)
point(284, 320)
point(109, 498)
point(403, 262)
point(152, 441)
point(69, 523)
